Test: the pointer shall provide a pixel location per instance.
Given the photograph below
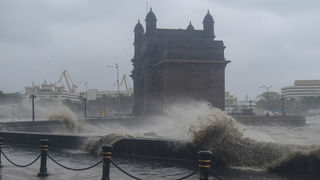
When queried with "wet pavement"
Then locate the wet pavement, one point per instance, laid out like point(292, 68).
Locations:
point(150, 169)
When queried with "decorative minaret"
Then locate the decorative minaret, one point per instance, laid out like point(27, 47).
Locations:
point(138, 38)
point(208, 25)
point(151, 22)
point(190, 27)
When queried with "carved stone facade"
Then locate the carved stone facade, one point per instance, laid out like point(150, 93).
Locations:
point(177, 64)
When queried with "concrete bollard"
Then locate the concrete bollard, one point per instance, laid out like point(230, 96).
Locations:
point(107, 154)
point(204, 164)
point(1, 143)
point(44, 145)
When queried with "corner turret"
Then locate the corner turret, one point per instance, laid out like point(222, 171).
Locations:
point(208, 25)
point(138, 32)
point(138, 38)
point(151, 21)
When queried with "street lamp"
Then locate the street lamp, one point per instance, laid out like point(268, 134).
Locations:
point(116, 66)
point(12, 111)
point(85, 108)
point(85, 99)
point(250, 103)
point(86, 86)
point(266, 87)
point(268, 98)
point(32, 96)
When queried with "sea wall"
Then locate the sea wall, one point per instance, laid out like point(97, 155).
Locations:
point(29, 126)
point(29, 133)
point(45, 126)
point(32, 139)
point(146, 147)
point(271, 120)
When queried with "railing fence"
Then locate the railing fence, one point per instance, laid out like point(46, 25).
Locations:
point(204, 163)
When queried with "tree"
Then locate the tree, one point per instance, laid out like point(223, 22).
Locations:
point(270, 101)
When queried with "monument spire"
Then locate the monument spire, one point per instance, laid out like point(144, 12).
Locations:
point(151, 21)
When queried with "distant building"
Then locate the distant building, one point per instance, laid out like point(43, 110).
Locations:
point(176, 64)
point(230, 100)
point(302, 88)
point(94, 94)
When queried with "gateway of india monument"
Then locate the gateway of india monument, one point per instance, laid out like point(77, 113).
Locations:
point(171, 65)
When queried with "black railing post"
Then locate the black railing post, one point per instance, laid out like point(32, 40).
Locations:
point(32, 98)
point(107, 154)
point(85, 108)
point(44, 146)
point(1, 143)
point(204, 164)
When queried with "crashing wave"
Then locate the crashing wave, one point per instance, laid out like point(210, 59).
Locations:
point(218, 132)
point(305, 162)
point(93, 145)
point(68, 120)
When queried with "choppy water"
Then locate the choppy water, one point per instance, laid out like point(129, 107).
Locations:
point(176, 124)
point(305, 135)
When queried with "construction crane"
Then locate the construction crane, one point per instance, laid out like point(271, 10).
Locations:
point(126, 84)
point(65, 75)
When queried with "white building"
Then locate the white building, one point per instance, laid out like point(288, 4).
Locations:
point(230, 100)
point(94, 94)
point(302, 88)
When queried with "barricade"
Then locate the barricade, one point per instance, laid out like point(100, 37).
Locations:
point(204, 163)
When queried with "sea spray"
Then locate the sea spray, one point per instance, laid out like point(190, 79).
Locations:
point(204, 126)
point(174, 123)
point(23, 111)
point(15, 111)
point(216, 131)
point(93, 145)
point(207, 128)
point(176, 119)
point(67, 118)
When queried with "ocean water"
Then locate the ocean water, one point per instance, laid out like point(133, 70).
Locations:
point(304, 135)
point(176, 124)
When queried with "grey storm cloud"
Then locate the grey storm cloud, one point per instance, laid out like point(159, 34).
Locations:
point(268, 41)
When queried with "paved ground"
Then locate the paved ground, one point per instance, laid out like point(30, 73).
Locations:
point(9, 172)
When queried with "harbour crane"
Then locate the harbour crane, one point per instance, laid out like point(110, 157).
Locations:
point(126, 84)
point(65, 75)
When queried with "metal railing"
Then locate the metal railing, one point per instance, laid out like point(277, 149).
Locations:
point(204, 163)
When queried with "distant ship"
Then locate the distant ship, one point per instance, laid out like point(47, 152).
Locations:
point(53, 91)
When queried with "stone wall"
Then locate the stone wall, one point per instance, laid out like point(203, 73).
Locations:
point(143, 147)
point(33, 139)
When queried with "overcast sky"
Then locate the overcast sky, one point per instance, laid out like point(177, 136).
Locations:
point(271, 42)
